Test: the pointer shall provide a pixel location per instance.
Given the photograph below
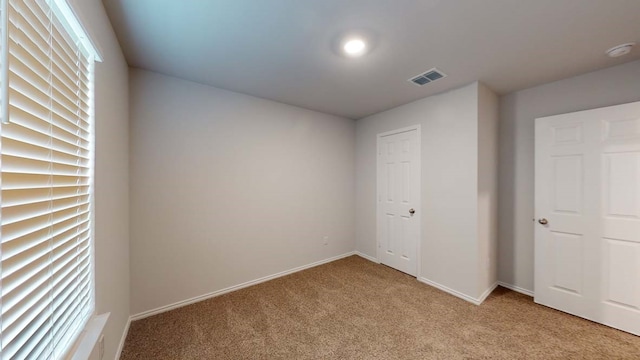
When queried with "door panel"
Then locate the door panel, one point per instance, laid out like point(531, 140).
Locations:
point(622, 185)
point(587, 187)
point(566, 253)
point(398, 193)
point(567, 184)
point(620, 129)
point(622, 268)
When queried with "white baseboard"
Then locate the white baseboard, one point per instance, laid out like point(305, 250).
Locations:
point(196, 299)
point(487, 292)
point(123, 339)
point(368, 257)
point(468, 298)
point(471, 299)
point(516, 288)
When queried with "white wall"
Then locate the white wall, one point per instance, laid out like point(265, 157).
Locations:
point(518, 110)
point(228, 188)
point(449, 184)
point(488, 109)
point(111, 175)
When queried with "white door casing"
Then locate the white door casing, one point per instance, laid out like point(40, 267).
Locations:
point(587, 188)
point(398, 199)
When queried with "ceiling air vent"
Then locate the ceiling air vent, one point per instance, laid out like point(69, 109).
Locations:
point(429, 76)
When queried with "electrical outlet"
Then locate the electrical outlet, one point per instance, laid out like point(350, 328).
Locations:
point(326, 240)
point(101, 347)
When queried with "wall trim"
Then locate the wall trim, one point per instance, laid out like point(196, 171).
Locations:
point(229, 289)
point(475, 301)
point(487, 292)
point(123, 339)
point(367, 257)
point(468, 298)
point(516, 289)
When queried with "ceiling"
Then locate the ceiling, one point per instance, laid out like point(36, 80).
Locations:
point(284, 50)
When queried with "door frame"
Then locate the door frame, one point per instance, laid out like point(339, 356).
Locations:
point(418, 205)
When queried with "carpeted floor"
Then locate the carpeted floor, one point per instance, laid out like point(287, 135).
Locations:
point(355, 309)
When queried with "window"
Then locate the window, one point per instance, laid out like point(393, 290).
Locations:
point(46, 179)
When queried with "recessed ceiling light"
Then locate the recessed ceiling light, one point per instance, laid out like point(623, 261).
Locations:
point(354, 47)
point(620, 50)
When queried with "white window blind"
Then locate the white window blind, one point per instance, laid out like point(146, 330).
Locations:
point(46, 161)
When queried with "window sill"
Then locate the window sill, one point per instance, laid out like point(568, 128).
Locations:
point(86, 344)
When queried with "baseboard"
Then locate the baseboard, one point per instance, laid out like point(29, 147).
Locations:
point(365, 256)
point(471, 299)
point(516, 288)
point(196, 299)
point(487, 292)
point(123, 339)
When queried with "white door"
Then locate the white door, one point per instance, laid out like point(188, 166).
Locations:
point(587, 205)
point(399, 199)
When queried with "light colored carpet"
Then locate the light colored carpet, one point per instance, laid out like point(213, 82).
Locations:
point(355, 309)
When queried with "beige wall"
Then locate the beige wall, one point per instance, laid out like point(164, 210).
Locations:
point(449, 163)
point(488, 109)
point(228, 188)
point(518, 110)
point(111, 175)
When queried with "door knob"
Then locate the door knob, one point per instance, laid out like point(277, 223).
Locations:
point(411, 211)
point(543, 221)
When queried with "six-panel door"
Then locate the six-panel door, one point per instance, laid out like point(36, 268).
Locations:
point(398, 200)
point(587, 174)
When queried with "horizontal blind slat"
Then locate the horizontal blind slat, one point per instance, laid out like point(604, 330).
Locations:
point(39, 345)
point(13, 232)
point(30, 75)
point(69, 48)
point(29, 105)
point(63, 98)
point(31, 115)
point(12, 311)
point(76, 318)
point(23, 49)
point(16, 163)
point(69, 315)
point(27, 196)
point(22, 332)
point(15, 248)
point(16, 147)
point(27, 241)
point(39, 253)
point(23, 213)
point(28, 280)
point(25, 181)
point(33, 25)
point(65, 118)
point(25, 279)
point(62, 205)
point(63, 78)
